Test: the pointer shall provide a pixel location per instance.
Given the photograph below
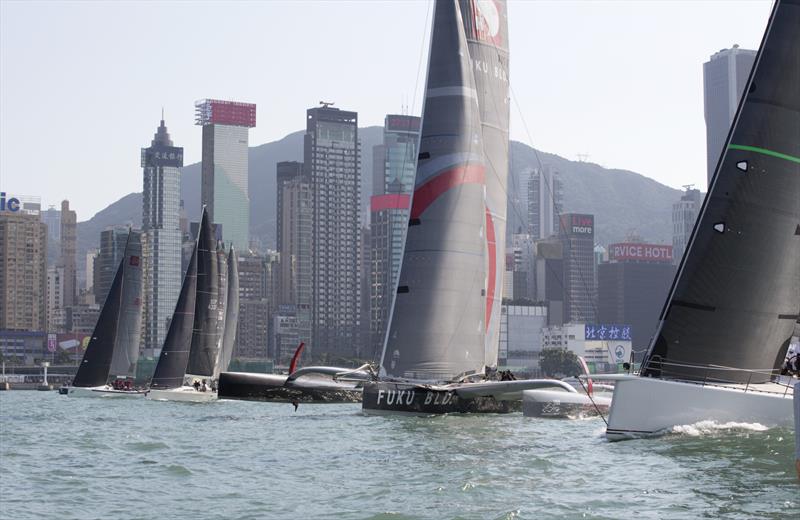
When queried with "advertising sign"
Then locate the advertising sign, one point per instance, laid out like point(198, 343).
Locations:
point(397, 122)
point(656, 253)
point(52, 344)
point(607, 332)
point(162, 156)
point(578, 224)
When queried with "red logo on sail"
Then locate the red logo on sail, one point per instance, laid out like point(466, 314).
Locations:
point(134, 261)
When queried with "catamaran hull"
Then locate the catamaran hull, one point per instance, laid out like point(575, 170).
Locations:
point(644, 406)
point(561, 405)
point(270, 387)
point(411, 399)
point(183, 394)
point(102, 391)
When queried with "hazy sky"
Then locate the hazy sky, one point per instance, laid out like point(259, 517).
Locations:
point(82, 83)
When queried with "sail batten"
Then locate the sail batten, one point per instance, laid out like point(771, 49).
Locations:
point(741, 270)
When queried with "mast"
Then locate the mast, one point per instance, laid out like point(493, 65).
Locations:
point(437, 325)
point(735, 298)
point(126, 347)
point(205, 331)
point(174, 356)
point(96, 362)
point(486, 29)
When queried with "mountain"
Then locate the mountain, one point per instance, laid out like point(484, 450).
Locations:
point(621, 201)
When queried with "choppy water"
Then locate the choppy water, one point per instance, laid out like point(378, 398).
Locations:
point(71, 458)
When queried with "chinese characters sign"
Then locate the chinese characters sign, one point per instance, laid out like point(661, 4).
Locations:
point(607, 331)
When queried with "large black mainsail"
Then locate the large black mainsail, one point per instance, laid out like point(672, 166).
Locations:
point(96, 362)
point(205, 333)
point(735, 299)
point(174, 356)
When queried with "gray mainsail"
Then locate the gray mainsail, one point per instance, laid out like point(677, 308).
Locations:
point(437, 326)
point(486, 29)
point(174, 355)
point(129, 328)
point(205, 332)
point(231, 313)
point(222, 287)
point(735, 299)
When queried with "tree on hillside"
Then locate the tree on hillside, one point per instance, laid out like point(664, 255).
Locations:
point(559, 362)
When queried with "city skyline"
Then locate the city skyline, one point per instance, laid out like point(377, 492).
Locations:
point(563, 114)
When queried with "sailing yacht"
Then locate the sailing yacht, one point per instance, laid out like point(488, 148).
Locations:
point(191, 353)
point(441, 346)
point(732, 309)
point(113, 349)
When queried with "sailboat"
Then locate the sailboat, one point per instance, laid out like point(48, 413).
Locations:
point(731, 312)
point(441, 347)
point(231, 318)
point(113, 349)
point(188, 359)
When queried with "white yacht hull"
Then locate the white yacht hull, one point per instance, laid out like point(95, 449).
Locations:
point(561, 404)
point(185, 394)
point(644, 406)
point(102, 391)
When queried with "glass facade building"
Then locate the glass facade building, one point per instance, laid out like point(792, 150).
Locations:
point(225, 166)
point(161, 237)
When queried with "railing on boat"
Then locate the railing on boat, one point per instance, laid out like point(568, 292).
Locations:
point(712, 379)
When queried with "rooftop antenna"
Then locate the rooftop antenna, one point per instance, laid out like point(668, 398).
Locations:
point(326, 104)
point(162, 112)
point(688, 187)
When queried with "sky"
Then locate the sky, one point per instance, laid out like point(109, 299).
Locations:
point(82, 84)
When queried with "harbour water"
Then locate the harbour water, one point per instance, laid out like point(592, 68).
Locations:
point(72, 458)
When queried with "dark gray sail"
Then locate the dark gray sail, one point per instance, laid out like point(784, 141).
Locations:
point(486, 29)
point(174, 356)
point(735, 299)
point(437, 325)
point(231, 313)
point(96, 362)
point(129, 330)
point(205, 333)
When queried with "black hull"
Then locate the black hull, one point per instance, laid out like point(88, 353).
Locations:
point(270, 388)
point(405, 398)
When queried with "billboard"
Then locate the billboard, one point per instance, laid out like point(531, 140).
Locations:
point(402, 123)
point(162, 155)
point(577, 224)
point(626, 252)
point(607, 332)
point(219, 112)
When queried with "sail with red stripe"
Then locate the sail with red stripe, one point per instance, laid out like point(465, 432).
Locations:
point(437, 327)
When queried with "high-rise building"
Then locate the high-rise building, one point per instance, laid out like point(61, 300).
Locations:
point(52, 218)
point(632, 287)
point(332, 161)
point(545, 202)
point(252, 333)
point(577, 239)
point(69, 241)
point(112, 251)
point(295, 219)
point(394, 167)
point(23, 266)
point(520, 336)
point(684, 215)
point(161, 236)
point(89, 269)
point(724, 78)
point(224, 187)
point(56, 313)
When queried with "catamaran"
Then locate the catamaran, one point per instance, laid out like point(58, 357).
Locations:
point(113, 349)
point(732, 309)
point(441, 346)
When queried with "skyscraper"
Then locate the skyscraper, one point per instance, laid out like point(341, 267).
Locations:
point(295, 219)
point(224, 188)
point(252, 332)
point(23, 267)
point(577, 239)
point(112, 250)
point(69, 239)
point(684, 215)
point(724, 78)
point(161, 236)
point(332, 161)
point(394, 166)
point(545, 200)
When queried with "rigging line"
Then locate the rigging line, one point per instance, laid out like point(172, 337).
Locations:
point(597, 408)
